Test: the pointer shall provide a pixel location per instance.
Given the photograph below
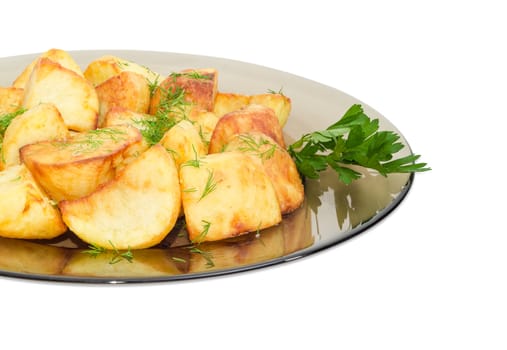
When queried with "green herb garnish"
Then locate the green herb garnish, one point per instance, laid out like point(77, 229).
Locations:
point(171, 109)
point(354, 139)
point(192, 75)
point(95, 250)
point(210, 185)
point(206, 255)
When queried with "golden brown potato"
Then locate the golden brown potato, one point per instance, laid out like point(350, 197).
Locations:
point(75, 167)
point(183, 142)
point(108, 66)
point(127, 89)
point(136, 210)
point(25, 211)
point(205, 123)
point(72, 94)
point(229, 102)
point(11, 99)
point(56, 55)
point(250, 118)
point(121, 116)
point(40, 123)
point(277, 163)
point(226, 195)
point(199, 87)
point(279, 103)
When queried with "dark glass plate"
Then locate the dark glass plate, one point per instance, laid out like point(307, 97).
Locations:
point(331, 213)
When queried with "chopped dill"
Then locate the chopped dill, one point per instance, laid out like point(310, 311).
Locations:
point(210, 186)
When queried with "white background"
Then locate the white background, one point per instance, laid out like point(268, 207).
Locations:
point(430, 276)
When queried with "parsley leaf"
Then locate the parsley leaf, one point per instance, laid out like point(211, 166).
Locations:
point(354, 139)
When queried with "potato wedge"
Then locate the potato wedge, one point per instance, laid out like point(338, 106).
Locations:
point(199, 86)
point(75, 167)
point(277, 163)
point(25, 211)
point(11, 99)
point(205, 122)
point(127, 89)
point(72, 94)
point(230, 102)
point(250, 118)
point(56, 55)
point(279, 103)
point(108, 66)
point(227, 195)
point(184, 142)
point(40, 123)
point(136, 210)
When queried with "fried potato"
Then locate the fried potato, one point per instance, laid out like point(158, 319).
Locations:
point(75, 167)
point(230, 102)
point(199, 86)
point(11, 99)
point(108, 66)
point(127, 89)
point(227, 195)
point(72, 94)
point(250, 118)
point(277, 163)
point(56, 55)
point(40, 123)
point(25, 211)
point(279, 103)
point(136, 210)
point(184, 142)
point(205, 122)
point(123, 116)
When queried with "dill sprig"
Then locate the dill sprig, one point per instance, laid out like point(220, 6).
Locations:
point(92, 140)
point(95, 250)
point(7, 118)
point(171, 109)
point(251, 145)
point(210, 186)
point(192, 75)
point(208, 256)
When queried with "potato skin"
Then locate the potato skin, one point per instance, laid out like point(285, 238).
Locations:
point(73, 95)
point(127, 89)
point(277, 163)
point(251, 118)
point(40, 123)
point(25, 211)
point(135, 210)
point(226, 196)
point(75, 167)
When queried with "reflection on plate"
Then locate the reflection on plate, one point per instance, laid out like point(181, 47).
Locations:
point(331, 213)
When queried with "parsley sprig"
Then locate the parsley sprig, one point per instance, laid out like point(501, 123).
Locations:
point(354, 139)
